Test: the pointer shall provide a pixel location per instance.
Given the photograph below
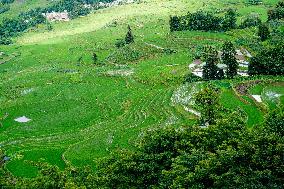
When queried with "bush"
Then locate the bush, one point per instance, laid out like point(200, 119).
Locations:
point(250, 21)
point(120, 43)
point(125, 54)
point(190, 78)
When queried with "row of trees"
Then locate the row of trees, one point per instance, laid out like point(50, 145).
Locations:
point(210, 56)
point(270, 61)
point(202, 20)
point(226, 154)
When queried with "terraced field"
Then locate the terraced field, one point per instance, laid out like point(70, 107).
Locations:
point(80, 111)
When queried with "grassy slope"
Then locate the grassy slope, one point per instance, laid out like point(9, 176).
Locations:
point(78, 111)
point(24, 5)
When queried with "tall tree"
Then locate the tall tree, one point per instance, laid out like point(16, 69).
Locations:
point(228, 58)
point(129, 38)
point(208, 100)
point(210, 69)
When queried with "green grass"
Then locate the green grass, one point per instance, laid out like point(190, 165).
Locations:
point(230, 100)
point(79, 111)
point(23, 165)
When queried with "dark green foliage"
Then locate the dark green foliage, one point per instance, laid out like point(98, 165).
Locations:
point(263, 32)
point(12, 27)
point(228, 58)
point(208, 101)
point(74, 8)
point(95, 58)
point(2, 155)
point(4, 8)
point(190, 78)
point(120, 43)
point(254, 2)
point(203, 21)
point(7, 1)
point(5, 41)
point(250, 21)
point(220, 74)
point(210, 69)
point(125, 54)
point(269, 61)
point(225, 155)
point(277, 12)
point(230, 19)
point(175, 24)
point(275, 121)
point(129, 38)
point(144, 168)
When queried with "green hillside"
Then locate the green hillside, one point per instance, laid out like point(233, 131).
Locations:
point(82, 109)
point(19, 6)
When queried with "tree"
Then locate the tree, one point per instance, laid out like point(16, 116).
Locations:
point(95, 57)
point(251, 20)
point(220, 74)
point(202, 20)
point(228, 58)
point(120, 43)
point(270, 61)
point(227, 154)
point(230, 19)
point(208, 100)
point(210, 69)
point(263, 32)
point(174, 23)
point(129, 38)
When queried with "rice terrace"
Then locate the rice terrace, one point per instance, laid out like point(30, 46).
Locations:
point(141, 94)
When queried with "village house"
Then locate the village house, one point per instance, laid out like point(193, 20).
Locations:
point(57, 16)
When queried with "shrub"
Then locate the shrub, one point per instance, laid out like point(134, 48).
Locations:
point(125, 54)
point(250, 21)
point(190, 78)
